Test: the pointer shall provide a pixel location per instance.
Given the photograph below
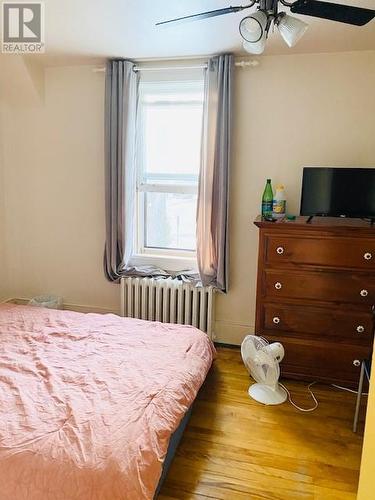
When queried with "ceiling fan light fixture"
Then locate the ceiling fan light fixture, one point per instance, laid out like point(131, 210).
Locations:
point(253, 28)
point(255, 48)
point(291, 29)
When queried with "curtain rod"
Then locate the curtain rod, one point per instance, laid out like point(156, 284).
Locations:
point(238, 64)
point(165, 68)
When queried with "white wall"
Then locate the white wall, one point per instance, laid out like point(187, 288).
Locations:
point(289, 112)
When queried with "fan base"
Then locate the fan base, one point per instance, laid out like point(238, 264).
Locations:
point(267, 395)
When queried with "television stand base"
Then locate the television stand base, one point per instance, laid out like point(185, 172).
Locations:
point(371, 220)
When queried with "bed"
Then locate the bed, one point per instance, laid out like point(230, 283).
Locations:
point(89, 402)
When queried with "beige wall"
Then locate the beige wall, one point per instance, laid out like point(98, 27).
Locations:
point(289, 111)
point(3, 266)
point(366, 489)
point(55, 191)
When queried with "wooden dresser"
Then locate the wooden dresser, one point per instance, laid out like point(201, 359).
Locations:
point(316, 295)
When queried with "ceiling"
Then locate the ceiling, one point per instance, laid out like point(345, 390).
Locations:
point(126, 28)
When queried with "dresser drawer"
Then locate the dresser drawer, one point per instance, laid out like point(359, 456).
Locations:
point(323, 286)
point(318, 322)
point(313, 360)
point(334, 252)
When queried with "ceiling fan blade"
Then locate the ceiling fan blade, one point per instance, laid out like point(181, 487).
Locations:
point(333, 11)
point(206, 15)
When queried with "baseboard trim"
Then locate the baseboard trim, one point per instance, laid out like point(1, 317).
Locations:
point(227, 346)
point(231, 333)
point(227, 334)
point(69, 306)
point(91, 309)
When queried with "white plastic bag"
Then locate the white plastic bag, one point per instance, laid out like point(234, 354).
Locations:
point(48, 301)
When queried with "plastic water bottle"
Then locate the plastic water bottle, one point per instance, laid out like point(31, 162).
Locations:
point(267, 200)
point(279, 203)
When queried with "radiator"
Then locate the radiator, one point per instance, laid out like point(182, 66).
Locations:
point(169, 301)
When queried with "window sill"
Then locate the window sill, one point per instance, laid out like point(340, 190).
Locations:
point(167, 263)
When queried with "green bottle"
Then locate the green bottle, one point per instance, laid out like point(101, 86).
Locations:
point(267, 200)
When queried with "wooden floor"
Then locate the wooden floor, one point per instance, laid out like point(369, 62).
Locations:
point(235, 448)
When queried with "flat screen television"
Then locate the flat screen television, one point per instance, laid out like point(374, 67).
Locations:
point(338, 192)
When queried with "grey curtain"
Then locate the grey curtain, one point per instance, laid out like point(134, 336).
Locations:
point(213, 191)
point(121, 91)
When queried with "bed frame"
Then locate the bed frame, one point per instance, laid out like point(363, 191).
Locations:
point(172, 447)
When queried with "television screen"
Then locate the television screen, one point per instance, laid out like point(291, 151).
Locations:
point(348, 192)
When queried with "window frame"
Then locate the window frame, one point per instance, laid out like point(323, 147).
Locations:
point(165, 258)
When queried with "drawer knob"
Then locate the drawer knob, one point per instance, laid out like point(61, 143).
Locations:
point(363, 293)
point(356, 362)
point(367, 256)
point(360, 329)
point(276, 320)
point(278, 286)
point(280, 250)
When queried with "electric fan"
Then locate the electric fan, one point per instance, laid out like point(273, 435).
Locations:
point(262, 361)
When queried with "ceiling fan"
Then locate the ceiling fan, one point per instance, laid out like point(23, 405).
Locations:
point(255, 27)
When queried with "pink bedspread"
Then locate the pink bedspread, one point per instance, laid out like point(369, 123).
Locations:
point(88, 402)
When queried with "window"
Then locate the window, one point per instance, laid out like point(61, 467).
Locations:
point(169, 131)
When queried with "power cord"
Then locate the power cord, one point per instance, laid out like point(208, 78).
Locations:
point(348, 390)
point(306, 410)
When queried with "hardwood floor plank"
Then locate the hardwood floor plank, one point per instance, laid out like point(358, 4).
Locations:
point(273, 464)
point(332, 494)
point(234, 448)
